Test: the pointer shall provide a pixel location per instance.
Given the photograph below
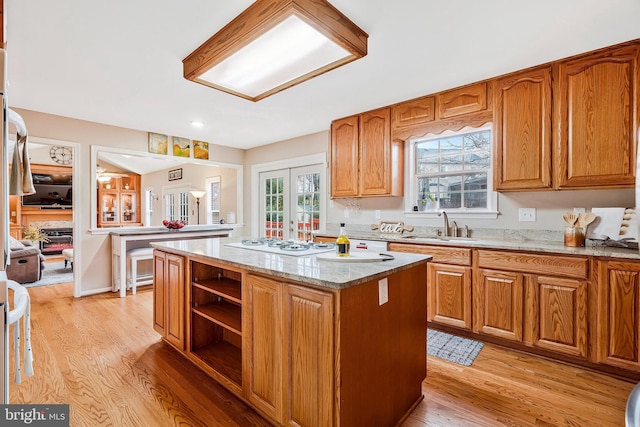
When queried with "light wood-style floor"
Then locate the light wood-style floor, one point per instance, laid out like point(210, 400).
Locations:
point(101, 355)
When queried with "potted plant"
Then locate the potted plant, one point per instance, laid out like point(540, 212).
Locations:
point(35, 234)
point(424, 201)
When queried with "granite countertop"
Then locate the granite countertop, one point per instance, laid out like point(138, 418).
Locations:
point(306, 269)
point(162, 230)
point(591, 248)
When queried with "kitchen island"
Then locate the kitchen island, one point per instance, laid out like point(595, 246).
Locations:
point(302, 340)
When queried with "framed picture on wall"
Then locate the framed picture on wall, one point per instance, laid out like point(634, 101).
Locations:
point(158, 143)
point(175, 174)
point(181, 147)
point(201, 150)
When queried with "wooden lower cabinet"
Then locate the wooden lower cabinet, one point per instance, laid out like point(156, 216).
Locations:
point(498, 304)
point(449, 295)
point(308, 345)
point(556, 314)
point(169, 289)
point(264, 355)
point(618, 314)
point(290, 352)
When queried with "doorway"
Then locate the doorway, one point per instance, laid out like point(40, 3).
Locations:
point(50, 214)
point(292, 202)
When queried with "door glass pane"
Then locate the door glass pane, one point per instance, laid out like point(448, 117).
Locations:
point(274, 209)
point(184, 206)
point(170, 207)
point(308, 206)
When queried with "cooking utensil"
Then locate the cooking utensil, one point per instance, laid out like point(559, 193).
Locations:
point(570, 218)
point(585, 219)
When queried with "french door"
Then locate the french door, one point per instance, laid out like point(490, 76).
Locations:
point(176, 203)
point(292, 202)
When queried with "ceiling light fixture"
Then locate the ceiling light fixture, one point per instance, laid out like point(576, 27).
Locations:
point(196, 124)
point(273, 45)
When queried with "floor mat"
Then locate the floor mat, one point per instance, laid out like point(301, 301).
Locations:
point(462, 351)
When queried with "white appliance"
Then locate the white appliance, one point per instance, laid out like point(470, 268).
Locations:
point(4, 234)
point(368, 245)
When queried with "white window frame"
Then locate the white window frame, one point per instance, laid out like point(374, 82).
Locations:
point(411, 184)
point(209, 183)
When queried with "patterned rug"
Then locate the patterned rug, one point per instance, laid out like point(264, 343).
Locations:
point(462, 351)
point(54, 273)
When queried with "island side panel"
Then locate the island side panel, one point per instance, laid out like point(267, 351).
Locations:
point(382, 349)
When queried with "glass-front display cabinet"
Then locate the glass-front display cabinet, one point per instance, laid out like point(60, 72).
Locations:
point(108, 208)
point(118, 200)
point(129, 208)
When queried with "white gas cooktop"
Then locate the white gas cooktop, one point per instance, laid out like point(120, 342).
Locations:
point(283, 247)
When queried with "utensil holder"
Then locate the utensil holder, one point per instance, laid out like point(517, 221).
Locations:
point(574, 236)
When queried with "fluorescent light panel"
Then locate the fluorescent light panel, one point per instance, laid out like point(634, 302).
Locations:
point(273, 45)
point(289, 50)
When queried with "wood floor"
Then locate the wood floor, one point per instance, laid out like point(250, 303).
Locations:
point(100, 355)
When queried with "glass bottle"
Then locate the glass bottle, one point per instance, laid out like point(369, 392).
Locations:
point(342, 242)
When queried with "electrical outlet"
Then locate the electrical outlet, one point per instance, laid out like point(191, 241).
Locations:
point(527, 214)
point(377, 213)
point(580, 210)
point(346, 213)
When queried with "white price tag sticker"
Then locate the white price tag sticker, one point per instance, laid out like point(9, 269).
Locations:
point(383, 291)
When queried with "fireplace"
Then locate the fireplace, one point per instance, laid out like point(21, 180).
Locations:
point(59, 239)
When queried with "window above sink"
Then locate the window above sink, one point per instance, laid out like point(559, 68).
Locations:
point(452, 171)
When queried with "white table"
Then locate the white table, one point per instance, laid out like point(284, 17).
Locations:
point(123, 240)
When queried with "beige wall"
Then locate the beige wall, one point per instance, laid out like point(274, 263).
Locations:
point(93, 262)
point(550, 205)
point(194, 177)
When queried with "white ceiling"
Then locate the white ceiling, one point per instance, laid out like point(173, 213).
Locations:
point(119, 62)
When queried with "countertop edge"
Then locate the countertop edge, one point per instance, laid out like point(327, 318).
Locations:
point(337, 285)
point(164, 230)
point(543, 247)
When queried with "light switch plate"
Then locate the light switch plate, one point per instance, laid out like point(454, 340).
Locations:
point(377, 213)
point(383, 291)
point(527, 214)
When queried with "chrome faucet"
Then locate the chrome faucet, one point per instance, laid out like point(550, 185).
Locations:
point(445, 228)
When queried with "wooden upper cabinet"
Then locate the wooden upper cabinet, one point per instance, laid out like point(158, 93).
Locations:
point(414, 112)
point(596, 107)
point(375, 153)
point(364, 160)
point(522, 131)
point(344, 157)
point(464, 100)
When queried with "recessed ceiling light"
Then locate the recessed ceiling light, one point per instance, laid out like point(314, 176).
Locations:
point(197, 124)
